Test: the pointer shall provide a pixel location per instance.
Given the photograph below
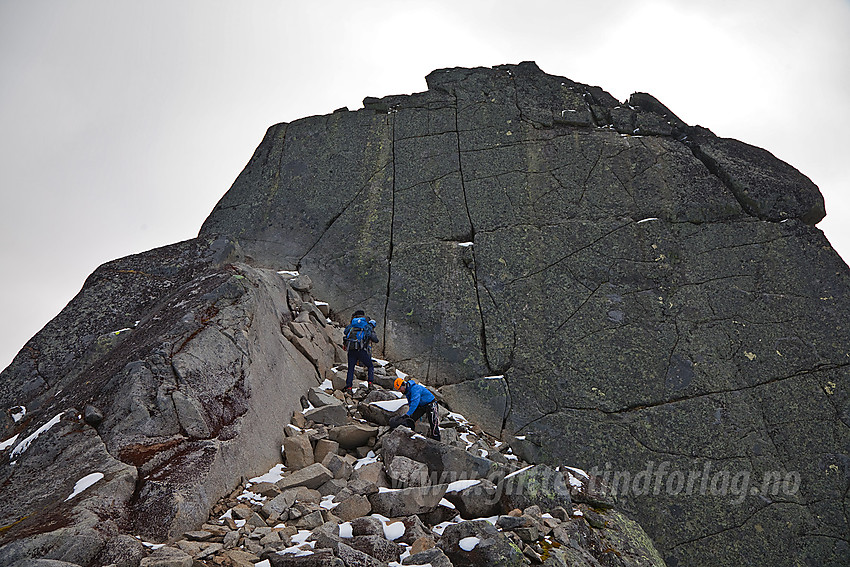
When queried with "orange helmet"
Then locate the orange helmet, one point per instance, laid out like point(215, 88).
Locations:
point(398, 382)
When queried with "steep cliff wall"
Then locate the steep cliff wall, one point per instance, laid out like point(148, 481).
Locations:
point(653, 297)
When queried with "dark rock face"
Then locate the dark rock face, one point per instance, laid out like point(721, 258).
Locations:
point(168, 377)
point(627, 274)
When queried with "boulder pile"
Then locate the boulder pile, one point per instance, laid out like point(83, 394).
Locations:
point(352, 492)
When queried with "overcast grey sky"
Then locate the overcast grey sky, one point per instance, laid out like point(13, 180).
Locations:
point(123, 122)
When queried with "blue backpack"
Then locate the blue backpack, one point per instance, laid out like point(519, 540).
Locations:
point(358, 335)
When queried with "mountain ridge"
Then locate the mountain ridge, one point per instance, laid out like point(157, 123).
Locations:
point(646, 292)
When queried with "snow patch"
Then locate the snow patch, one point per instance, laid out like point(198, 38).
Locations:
point(8, 443)
point(367, 460)
point(519, 471)
point(459, 485)
point(465, 438)
point(392, 529)
point(391, 405)
point(441, 527)
point(328, 502)
point(252, 497)
point(274, 475)
point(85, 483)
point(469, 543)
point(458, 418)
point(346, 530)
point(18, 413)
point(152, 546)
point(24, 445)
point(300, 546)
point(578, 471)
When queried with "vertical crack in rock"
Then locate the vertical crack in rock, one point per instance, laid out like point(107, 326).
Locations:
point(276, 185)
point(472, 237)
point(392, 118)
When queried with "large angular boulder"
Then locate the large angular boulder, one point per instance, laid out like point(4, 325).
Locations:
point(312, 476)
point(479, 500)
point(353, 435)
point(376, 546)
point(332, 414)
point(538, 485)
point(445, 463)
point(405, 473)
point(478, 542)
point(298, 451)
point(381, 405)
point(398, 502)
point(433, 557)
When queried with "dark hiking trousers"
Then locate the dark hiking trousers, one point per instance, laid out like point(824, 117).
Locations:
point(409, 421)
point(364, 357)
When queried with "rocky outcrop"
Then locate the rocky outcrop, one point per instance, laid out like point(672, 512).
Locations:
point(374, 519)
point(593, 282)
point(168, 378)
point(656, 300)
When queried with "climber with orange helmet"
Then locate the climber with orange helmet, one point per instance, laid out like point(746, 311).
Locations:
point(420, 401)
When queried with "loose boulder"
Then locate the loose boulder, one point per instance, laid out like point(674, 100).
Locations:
point(478, 542)
point(395, 503)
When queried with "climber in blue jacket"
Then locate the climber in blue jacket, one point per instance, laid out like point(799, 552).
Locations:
point(420, 401)
point(358, 337)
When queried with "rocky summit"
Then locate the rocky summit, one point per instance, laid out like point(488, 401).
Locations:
point(593, 283)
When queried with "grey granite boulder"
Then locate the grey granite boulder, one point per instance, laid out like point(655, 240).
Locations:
point(478, 542)
point(353, 435)
point(395, 503)
point(480, 500)
point(298, 451)
point(445, 462)
point(312, 476)
point(538, 485)
point(404, 473)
